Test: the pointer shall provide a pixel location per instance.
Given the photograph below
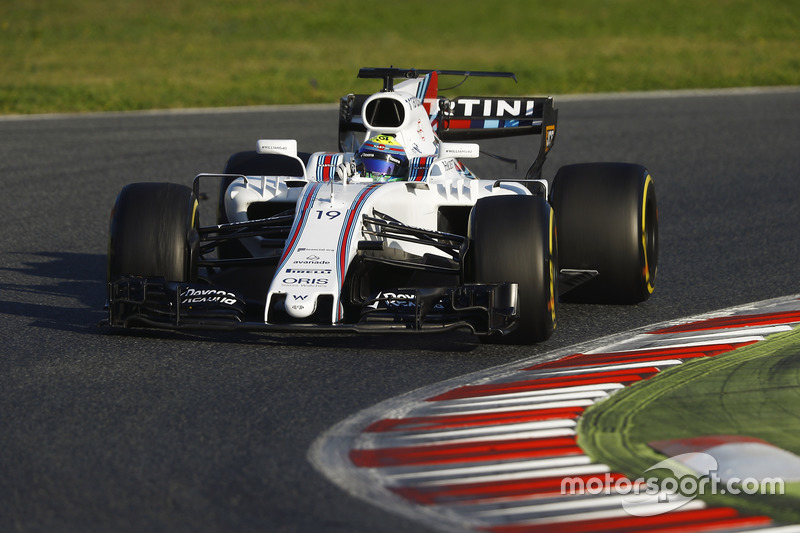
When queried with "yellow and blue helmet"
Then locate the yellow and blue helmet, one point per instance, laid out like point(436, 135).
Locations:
point(382, 158)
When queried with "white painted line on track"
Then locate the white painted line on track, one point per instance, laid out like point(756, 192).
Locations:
point(577, 391)
point(505, 431)
point(514, 403)
point(595, 515)
point(581, 469)
point(656, 346)
point(558, 430)
point(603, 368)
point(491, 470)
point(569, 506)
point(579, 402)
point(760, 331)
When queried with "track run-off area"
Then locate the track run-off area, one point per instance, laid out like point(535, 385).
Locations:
point(499, 450)
point(210, 432)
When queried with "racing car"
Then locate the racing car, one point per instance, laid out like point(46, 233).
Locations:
point(391, 232)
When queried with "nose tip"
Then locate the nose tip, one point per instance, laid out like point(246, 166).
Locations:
point(300, 306)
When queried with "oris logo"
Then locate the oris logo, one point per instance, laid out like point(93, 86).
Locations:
point(304, 281)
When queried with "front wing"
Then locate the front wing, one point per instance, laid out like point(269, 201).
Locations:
point(155, 303)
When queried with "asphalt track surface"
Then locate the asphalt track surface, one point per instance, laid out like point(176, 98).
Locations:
point(155, 431)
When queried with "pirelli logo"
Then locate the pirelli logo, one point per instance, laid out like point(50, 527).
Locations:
point(474, 107)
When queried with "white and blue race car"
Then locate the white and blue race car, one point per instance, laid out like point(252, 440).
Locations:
point(392, 232)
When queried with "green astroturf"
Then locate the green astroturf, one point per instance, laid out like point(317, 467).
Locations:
point(753, 391)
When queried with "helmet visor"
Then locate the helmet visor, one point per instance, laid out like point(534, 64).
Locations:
point(383, 164)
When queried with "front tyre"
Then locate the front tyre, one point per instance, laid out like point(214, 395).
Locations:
point(512, 239)
point(153, 232)
point(607, 220)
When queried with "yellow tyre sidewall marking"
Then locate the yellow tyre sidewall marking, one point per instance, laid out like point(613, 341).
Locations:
point(648, 181)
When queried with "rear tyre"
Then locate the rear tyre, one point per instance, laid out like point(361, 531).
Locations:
point(607, 220)
point(512, 239)
point(153, 232)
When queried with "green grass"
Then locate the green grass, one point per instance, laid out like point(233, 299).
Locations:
point(753, 391)
point(88, 55)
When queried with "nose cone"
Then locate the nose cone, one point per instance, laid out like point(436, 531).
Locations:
point(300, 305)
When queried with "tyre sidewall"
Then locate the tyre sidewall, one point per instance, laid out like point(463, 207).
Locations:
point(512, 240)
point(606, 216)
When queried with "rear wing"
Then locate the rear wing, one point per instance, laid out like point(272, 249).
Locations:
point(464, 118)
point(472, 118)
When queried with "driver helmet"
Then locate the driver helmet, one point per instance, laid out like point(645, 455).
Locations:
point(382, 159)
